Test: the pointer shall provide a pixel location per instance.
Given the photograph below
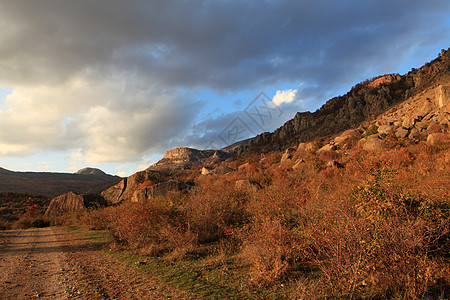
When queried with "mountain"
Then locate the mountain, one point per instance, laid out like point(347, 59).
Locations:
point(92, 171)
point(53, 184)
point(363, 102)
point(388, 106)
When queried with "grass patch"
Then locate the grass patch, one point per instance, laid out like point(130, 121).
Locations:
point(98, 238)
point(204, 277)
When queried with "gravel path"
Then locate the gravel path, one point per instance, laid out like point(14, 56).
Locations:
point(51, 263)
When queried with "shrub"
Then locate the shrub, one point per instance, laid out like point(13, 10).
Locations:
point(370, 245)
point(267, 248)
point(215, 207)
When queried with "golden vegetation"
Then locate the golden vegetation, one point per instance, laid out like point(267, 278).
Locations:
point(378, 228)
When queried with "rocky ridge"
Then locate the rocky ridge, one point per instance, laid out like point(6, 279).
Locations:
point(364, 102)
point(180, 158)
point(388, 106)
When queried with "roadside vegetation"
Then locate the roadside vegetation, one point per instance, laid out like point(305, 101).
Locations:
point(22, 210)
point(379, 227)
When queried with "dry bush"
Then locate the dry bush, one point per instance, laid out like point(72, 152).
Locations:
point(178, 241)
point(215, 208)
point(370, 245)
point(397, 158)
point(267, 242)
point(100, 219)
point(267, 248)
point(152, 227)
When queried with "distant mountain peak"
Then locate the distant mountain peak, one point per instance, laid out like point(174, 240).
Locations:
point(91, 171)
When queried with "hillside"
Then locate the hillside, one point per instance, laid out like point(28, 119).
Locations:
point(54, 184)
point(364, 102)
point(348, 202)
point(421, 97)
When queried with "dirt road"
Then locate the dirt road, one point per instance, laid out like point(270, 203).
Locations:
point(51, 263)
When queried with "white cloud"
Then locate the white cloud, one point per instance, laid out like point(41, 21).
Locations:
point(109, 120)
point(284, 97)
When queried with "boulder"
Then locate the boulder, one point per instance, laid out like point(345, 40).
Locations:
point(73, 202)
point(247, 185)
point(425, 109)
point(408, 122)
point(306, 147)
point(372, 143)
point(113, 194)
point(221, 170)
point(124, 190)
point(414, 134)
point(334, 164)
point(384, 129)
point(401, 133)
point(442, 95)
point(422, 125)
point(288, 154)
point(435, 138)
point(207, 170)
point(298, 164)
point(327, 147)
point(156, 190)
point(243, 166)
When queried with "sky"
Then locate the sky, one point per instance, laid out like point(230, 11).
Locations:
point(114, 84)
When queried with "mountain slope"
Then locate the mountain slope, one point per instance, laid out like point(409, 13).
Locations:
point(54, 184)
point(405, 105)
point(364, 102)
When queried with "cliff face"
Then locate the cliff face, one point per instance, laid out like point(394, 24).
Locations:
point(365, 101)
point(180, 158)
point(72, 202)
point(124, 190)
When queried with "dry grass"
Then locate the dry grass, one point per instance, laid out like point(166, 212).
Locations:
point(378, 228)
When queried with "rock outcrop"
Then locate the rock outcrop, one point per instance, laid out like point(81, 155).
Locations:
point(72, 202)
point(156, 190)
point(180, 158)
point(247, 185)
point(124, 190)
point(365, 101)
point(443, 95)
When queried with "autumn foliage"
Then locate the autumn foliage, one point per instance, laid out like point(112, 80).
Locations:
point(377, 228)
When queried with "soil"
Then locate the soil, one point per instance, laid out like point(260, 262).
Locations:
point(51, 263)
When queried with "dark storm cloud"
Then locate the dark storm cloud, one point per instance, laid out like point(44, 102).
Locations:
point(217, 44)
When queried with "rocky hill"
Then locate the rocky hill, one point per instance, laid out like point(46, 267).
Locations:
point(92, 171)
point(364, 102)
point(180, 158)
point(404, 106)
point(54, 184)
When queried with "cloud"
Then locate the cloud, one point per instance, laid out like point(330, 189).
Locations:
point(285, 96)
point(116, 81)
point(223, 45)
point(110, 120)
point(219, 131)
